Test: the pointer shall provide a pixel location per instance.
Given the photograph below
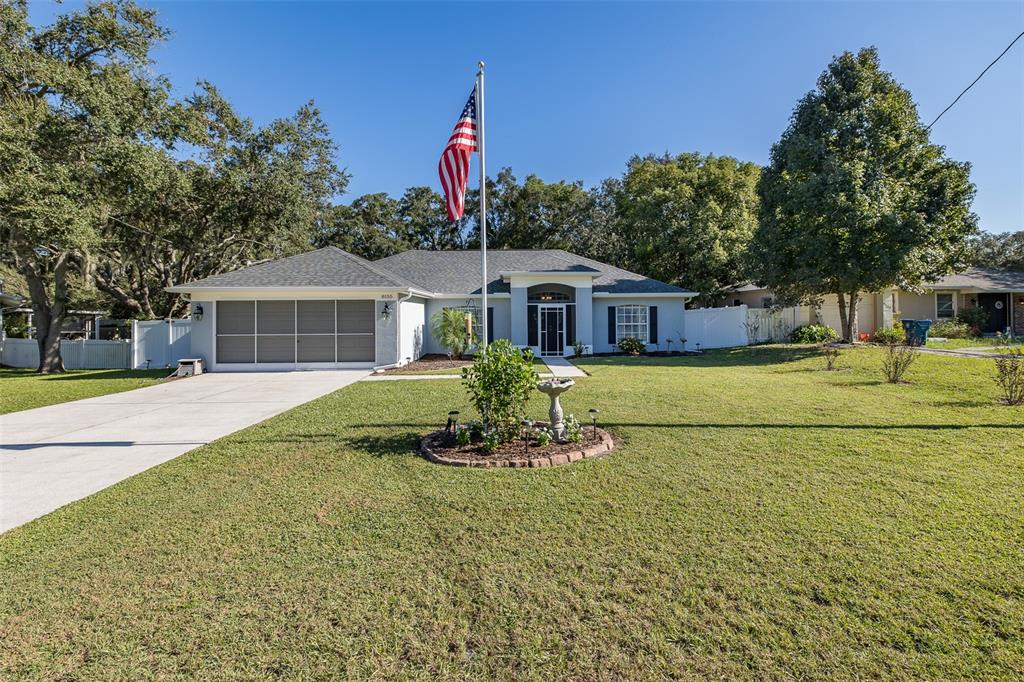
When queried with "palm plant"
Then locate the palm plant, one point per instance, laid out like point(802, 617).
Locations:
point(452, 329)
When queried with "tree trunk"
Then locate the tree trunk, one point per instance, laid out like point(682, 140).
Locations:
point(49, 316)
point(851, 332)
point(844, 320)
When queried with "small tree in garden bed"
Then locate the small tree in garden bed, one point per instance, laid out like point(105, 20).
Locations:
point(1010, 376)
point(500, 382)
point(449, 326)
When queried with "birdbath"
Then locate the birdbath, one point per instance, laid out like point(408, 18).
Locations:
point(554, 388)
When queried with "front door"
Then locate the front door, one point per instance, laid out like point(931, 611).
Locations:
point(552, 330)
point(996, 305)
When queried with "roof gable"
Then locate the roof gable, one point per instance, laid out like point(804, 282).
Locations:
point(458, 272)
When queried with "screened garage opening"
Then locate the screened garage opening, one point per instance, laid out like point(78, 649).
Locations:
point(295, 333)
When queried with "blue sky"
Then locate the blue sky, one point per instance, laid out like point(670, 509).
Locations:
point(573, 90)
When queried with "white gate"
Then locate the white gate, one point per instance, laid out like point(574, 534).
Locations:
point(775, 325)
point(160, 343)
point(716, 327)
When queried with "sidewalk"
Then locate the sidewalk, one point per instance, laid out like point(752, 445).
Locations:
point(561, 367)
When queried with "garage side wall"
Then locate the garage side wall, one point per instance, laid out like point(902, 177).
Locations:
point(387, 334)
point(201, 334)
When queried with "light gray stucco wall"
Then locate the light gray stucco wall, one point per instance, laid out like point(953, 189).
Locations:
point(201, 336)
point(501, 312)
point(670, 320)
point(518, 316)
point(412, 318)
point(386, 334)
point(585, 316)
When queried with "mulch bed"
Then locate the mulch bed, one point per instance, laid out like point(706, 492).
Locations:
point(432, 362)
point(441, 448)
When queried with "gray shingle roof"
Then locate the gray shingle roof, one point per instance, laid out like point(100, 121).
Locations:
point(326, 267)
point(983, 278)
point(458, 272)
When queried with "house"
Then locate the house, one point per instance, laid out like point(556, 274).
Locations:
point(330, 308)
point(999, 292)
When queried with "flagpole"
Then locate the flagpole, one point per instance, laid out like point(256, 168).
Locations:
point(483, 199)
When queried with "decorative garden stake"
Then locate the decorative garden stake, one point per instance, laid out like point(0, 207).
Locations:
point(593, 420)
point(554, 388)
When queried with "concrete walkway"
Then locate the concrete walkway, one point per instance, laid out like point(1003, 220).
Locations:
point(561, 367)
point(53, 455)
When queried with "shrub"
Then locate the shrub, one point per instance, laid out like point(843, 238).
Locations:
point(813, 333)
point(632, 346)
point(500, 382)
point(462, 436)
point(578, 349)
point(897, 360)
point(975, 318)
point(573, 430)
point(449, 328)
point(1010, 376)
point(831, 354)
point(951, 329)
point(543, 437)
point(890, 336)
point(491, 442)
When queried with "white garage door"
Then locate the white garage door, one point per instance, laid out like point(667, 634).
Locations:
point(294, 333)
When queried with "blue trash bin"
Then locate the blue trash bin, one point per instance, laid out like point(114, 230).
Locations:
point(916, 331)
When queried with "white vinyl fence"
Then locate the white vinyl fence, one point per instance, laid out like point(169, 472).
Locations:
point(88, 354)
point(774, 325)
point(154, 343)
point(716, 327)
point(160, 343)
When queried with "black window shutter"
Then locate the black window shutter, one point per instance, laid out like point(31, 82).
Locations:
point(490, 324)
point(611, 324)
point(531, 324)
point(652, 322)
point(570, 324)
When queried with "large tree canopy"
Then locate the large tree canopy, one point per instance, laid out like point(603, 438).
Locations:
point(245, 194)
point(76, 103)
point(998, 250)
point(689, 218)
point(855, 197)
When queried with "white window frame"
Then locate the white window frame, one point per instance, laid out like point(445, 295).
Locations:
point(632, 321)
point(952, 295)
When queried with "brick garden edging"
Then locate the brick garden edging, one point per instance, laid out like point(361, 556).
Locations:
point(591, 450)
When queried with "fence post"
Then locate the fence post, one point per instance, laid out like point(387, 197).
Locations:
point(135, 344)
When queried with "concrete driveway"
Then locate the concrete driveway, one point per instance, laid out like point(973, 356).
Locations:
point(57, 454)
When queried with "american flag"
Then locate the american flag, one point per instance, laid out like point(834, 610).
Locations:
point(453, 168)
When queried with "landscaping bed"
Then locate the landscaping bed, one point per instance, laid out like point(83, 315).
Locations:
point(433, 363)
point(440, 447)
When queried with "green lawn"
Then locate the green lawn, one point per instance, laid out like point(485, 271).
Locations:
point(762, 519)
point(23, 389)
point(968, 343)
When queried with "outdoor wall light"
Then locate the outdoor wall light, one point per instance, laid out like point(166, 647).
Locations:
point(197, 312)
point(385, 312)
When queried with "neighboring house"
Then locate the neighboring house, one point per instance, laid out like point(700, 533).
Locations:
point(8, 303)
point(1000, 292)
point(329, 308)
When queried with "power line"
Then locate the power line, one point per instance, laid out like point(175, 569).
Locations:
point(975, 80)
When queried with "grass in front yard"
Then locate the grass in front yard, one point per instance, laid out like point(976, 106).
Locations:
point(953, 344)
point(23, 389)
point(763, 519)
